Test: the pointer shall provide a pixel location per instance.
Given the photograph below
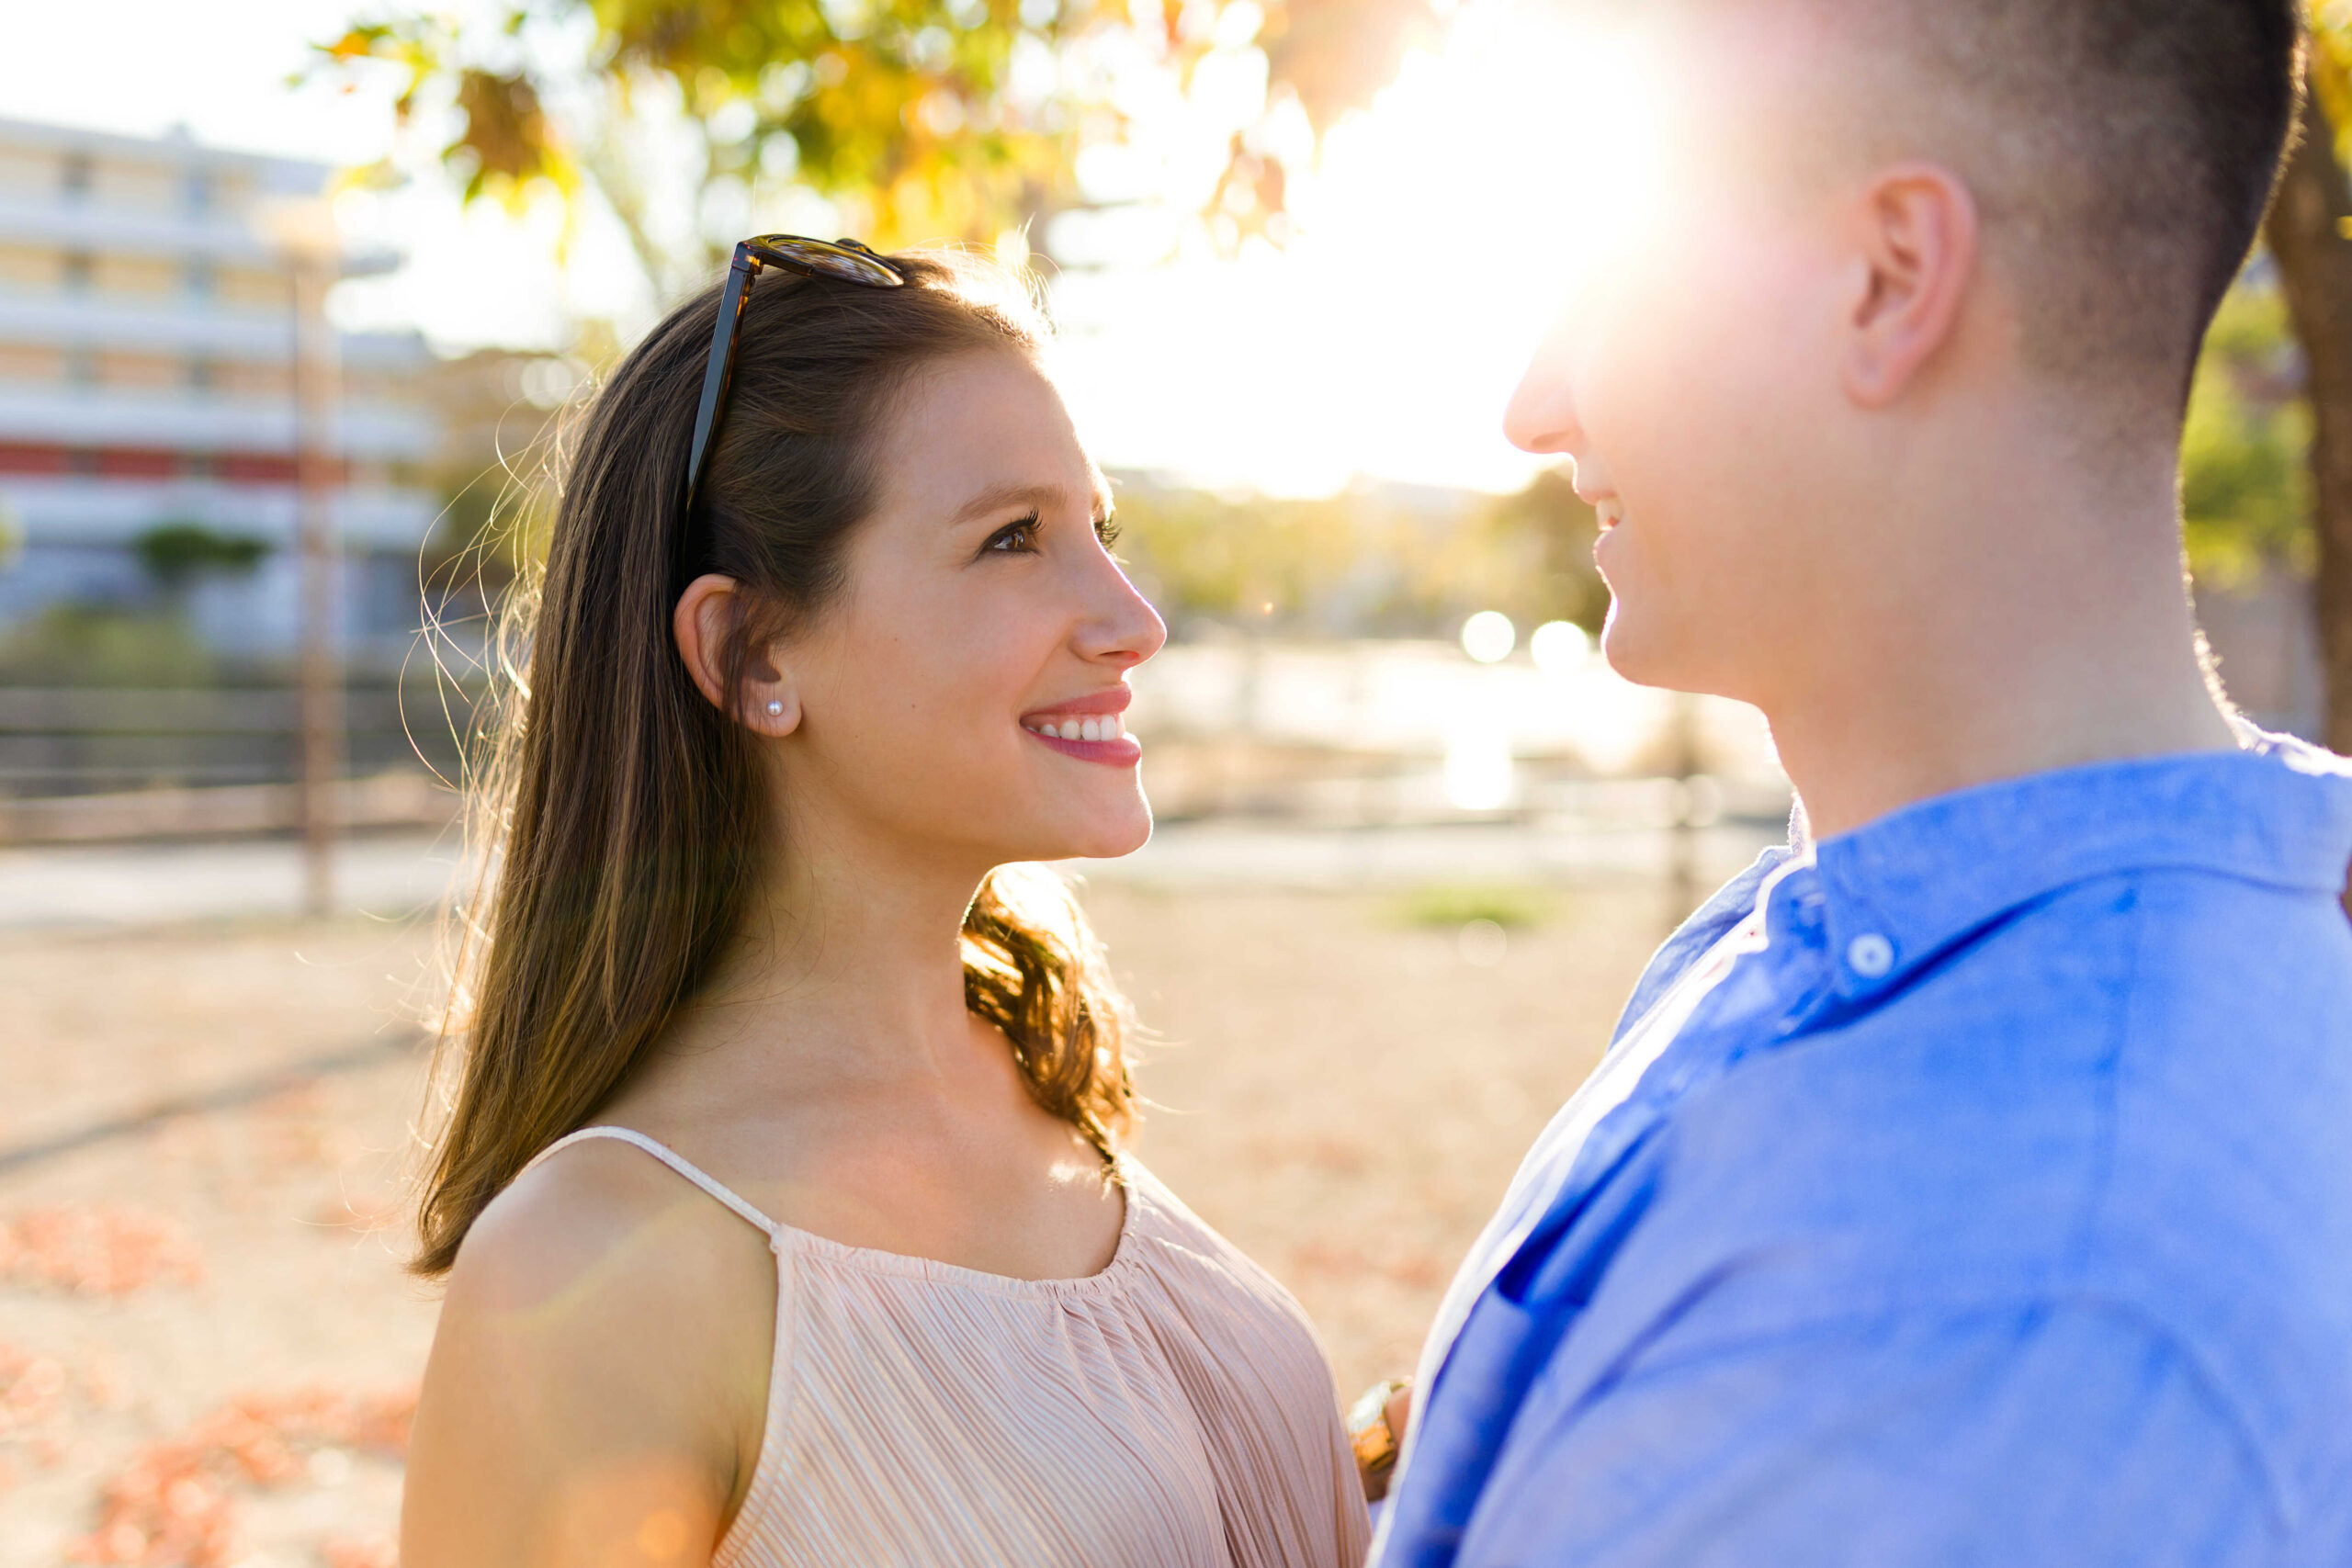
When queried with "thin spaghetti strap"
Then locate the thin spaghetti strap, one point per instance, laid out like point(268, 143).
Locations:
point(675, 1161)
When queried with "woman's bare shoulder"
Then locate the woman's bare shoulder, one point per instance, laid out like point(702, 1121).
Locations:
point(601, 1217)
point(587, 1264)
point(605, 1315)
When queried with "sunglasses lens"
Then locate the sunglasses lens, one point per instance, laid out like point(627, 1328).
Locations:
point(830, 260)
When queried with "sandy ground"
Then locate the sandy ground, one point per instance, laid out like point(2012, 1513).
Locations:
point(1340, 1086)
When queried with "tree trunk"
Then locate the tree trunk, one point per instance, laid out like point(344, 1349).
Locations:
point(2310, 232)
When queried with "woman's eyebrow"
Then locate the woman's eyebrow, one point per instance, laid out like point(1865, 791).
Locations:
point(1005, 497)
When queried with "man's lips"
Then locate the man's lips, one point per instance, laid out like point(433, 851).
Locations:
point(1087, 728)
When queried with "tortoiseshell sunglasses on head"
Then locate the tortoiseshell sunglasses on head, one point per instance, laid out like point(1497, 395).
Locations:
point(843, 261)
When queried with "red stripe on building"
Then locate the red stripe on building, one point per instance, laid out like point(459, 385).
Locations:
point(18, 457)
point(137, 463)
point(155, 462)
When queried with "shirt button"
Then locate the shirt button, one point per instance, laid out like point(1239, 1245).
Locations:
point(1870, 956)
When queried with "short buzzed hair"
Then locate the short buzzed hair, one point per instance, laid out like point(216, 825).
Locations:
point(2146, 143)
point(2123, 152)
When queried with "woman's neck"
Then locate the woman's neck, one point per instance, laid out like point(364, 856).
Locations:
point(847, 968)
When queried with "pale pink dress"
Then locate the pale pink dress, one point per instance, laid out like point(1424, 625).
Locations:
point(1173, 1411)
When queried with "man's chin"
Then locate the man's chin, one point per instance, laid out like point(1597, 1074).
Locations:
point(1628, 653)
point(1640, 654)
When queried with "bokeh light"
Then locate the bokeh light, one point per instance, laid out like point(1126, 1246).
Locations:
point(1560, 647)
point(1484, 943)
point(1488, 637)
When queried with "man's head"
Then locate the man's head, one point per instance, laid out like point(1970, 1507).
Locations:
point(1899, 247)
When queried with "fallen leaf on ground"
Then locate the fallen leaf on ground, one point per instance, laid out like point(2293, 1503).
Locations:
point(175, 1505)
point(98, 1250)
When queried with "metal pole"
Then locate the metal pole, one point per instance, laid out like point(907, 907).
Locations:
point(1682, 853)
point(316, 476)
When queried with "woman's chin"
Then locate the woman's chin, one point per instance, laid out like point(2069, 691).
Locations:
point(1109, 838)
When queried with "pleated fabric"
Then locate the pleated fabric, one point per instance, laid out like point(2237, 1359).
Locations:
point(1173, 1411)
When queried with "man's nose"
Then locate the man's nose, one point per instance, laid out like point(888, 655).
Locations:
point(1542, 412)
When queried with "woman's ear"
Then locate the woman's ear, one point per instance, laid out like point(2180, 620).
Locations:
point(1919, 242)
point(704, 624)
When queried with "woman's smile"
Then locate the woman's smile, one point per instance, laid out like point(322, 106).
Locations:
point(1089, 728)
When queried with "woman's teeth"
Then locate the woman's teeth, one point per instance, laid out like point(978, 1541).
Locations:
point(1108, 727)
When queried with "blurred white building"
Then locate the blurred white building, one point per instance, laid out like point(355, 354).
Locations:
point(146, 380)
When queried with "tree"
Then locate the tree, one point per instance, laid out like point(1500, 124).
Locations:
point(2245, 448)
point(927, 117)
point(2310, 232)
point(176, 554)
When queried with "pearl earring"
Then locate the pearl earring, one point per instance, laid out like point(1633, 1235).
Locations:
point(776, 710)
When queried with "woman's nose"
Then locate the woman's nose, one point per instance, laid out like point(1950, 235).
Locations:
point(1121, 627)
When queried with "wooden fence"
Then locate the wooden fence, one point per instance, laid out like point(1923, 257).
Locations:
point(111, 762)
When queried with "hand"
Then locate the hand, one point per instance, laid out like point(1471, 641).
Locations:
point(1377, 1433)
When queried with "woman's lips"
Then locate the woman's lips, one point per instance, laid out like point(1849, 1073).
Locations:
point(1089, 728)
point(1124, 752)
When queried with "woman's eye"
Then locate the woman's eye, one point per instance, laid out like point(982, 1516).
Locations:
point(1107, 530)
point(1013, 538)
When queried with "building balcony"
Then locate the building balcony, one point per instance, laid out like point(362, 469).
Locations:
point(112, 513)
point(185, 324)
point(224, 237)
point(192, 421)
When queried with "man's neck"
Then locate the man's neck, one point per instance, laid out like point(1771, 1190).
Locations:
point(2051, 637)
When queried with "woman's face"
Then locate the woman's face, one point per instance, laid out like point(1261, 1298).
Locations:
point(962, 696)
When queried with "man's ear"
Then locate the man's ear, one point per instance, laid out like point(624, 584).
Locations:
point(704, 624)
point(1919, 241)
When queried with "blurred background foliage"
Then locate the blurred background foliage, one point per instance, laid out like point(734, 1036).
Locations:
point(2309, 234)
point(2331, 66)
point(135, 641)
point(920, 119)
point(175, 555)
point(99, 644)
point(1371, 561)
point(2245, 455)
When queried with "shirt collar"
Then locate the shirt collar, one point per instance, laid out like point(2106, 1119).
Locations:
point(1901, 889)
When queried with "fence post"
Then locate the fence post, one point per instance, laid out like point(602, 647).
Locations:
point(316, 476)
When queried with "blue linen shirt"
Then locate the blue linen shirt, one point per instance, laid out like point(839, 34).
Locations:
point(1988, 1200)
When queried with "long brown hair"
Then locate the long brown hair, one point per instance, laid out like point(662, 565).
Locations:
point(618, 818)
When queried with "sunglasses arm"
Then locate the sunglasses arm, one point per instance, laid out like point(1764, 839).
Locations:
point(739, 273)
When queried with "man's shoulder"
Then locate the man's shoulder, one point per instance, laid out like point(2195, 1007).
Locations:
point(2068, 1068)
point(2131, 1092)
point(2156, 950)
point(2151, 993)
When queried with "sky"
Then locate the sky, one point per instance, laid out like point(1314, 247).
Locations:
point(1380, 344)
